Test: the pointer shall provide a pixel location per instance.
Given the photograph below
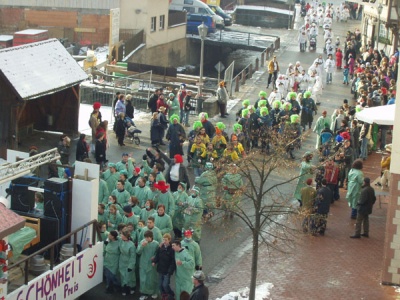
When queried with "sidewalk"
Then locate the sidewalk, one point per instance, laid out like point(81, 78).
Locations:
point(329, 267)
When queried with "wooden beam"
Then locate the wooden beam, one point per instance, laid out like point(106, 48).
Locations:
point(75, 92)
point(20, 110)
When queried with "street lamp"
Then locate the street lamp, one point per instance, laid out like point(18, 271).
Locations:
point(203, 30)
point(379, 8)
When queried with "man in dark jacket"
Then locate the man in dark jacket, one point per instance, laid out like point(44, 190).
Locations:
point(200, 291)
point(165, 261)
point(364, 209)
point(152, 104)
point(322, 205)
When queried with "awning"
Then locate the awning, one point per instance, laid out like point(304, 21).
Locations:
point(381, 115)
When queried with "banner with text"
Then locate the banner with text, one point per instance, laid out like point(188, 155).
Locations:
point(67, 280)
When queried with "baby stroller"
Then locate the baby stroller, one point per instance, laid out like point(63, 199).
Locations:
point(313, 43)
point(326, 142)
point(133, 134)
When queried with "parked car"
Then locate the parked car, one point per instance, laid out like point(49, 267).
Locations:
point(196, 7)
point(194, 20)
point(218, 10)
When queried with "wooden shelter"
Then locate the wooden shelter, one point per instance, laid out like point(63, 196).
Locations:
point(39, 89)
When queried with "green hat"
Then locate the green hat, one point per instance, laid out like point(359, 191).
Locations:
point(123, 172)
point(220, 125)
point(171, 95)
point(209, 166)
point(236, 127)
point(111, 165)
point(292, 94)
point(183, 185)
point(245, 112)
point(264, 109)
point(262, 94)
point(287, 104)
point(246, 102)
point(196, 189)
point(277, 104)
point(262, 103)
point(197, 124)
point(358, 108)
point(173, 117)
point(203, 114)
point(294, 118)
point(307, 94)
point(327, 125)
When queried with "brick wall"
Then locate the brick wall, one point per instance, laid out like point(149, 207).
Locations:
point(10, 18)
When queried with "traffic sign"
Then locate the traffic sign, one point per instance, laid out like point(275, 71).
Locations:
point(219, 67)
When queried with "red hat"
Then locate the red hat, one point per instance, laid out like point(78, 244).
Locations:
point(161, 185)
point(96, 105)
point(384, 91)
point(137, 170)
point(309, 181)
point(187, 233)
point(345, 135)
point(178, 159)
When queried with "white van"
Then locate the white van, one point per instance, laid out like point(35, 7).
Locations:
point(196, 7)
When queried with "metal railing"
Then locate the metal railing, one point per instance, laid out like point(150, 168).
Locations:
point(56, 243)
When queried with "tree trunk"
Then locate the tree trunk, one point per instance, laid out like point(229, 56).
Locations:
point(254, 261)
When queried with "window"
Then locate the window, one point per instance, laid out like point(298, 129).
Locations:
point(190, 2)
point(189, 9)
point(162, 22)
point(153, 24)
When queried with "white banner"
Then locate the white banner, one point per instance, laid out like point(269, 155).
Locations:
point(67, 280)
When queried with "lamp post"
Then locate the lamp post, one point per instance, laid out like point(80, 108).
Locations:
point(379, 8)
point(203, 30)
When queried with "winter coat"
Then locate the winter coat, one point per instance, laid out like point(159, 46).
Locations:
point(209, 127)
point(129, 109)
point(152, 104)
point(120, 128)
point(355, 180)
point(174, 108)
point(308, 109)
point(222, 95)
point(323, 200)
point(200, 292)
point(183, 174)
point(81, 150)
point(308, 195)
point(100, 151)
point(366, 201)
point(156, 131)
point(176, 135)
point(165, 260)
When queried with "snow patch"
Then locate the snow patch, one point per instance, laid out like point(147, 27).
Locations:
point(262, 293)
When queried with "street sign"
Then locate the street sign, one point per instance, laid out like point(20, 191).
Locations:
point(219, 67)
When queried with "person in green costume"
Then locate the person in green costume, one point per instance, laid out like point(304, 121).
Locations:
point(207, 182)
point(147, 248)
point(110, 176)
point(111, 260)
point(121, 194)
point(129, 216)
point(184, 269)
point(127, 262)
point(141, 191)
point(193, 248)
point(306, 172)
point(193, 212)
point(101, 213)
point(134, 203)
point(232, 183)
point(123, 175)
point(173, 103)
point(147, 210)
point(178, 219)
point(320, 125)
point(151, 227)
point(165, 197)
point(103, 191)
point(126, 164)
point(162, 220)
point(354, 185)
point(113, 218)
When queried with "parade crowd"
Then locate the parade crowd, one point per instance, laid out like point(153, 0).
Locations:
point(150, 213)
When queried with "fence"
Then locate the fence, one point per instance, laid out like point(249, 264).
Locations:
point(248, 71)
point(53, 245)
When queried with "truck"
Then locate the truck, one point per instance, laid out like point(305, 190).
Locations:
point(30, 36)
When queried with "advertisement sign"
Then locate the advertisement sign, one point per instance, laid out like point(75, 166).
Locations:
point(68, 280)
